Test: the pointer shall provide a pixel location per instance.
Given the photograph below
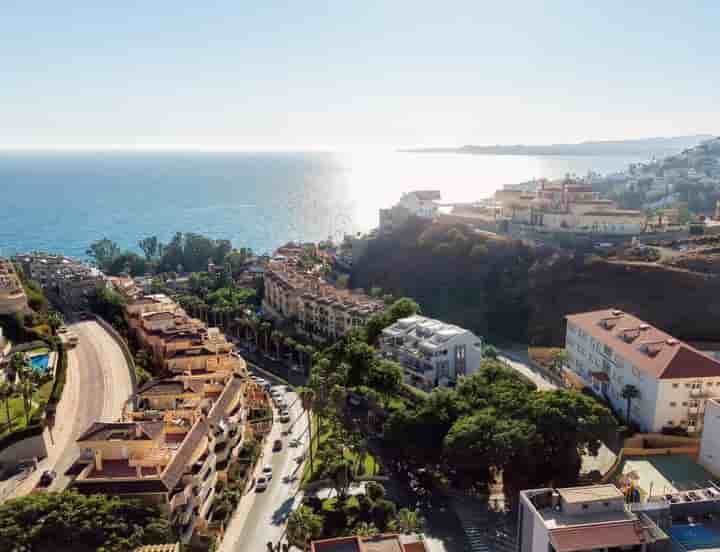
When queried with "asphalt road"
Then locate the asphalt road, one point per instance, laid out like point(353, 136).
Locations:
point(263, 519)
point(98, 384)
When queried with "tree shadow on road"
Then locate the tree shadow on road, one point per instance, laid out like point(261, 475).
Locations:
point(281, 514)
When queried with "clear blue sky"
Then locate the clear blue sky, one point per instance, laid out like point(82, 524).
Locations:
point(343, 73)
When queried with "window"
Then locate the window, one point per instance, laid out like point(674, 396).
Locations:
point(709, 384)
point(670, 423)
point(606, 504)
point(673, 404)
point(675, 385)
point(684, 403)
point(687, 385)
point(585, 506)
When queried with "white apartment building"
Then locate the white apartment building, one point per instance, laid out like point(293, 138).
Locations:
point(610, 349)
point(709, 457)
point(579, 519)
point(432, 352)
point(420, 203)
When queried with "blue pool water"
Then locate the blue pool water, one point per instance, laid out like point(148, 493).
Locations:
point(696, 536)
point(39, 363)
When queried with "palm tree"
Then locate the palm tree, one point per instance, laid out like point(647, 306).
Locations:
point(54, 320)
point(309, 351)
point(277, 338)
point(7, 390)
point(265, 328)
point(300, 348)
point(365, 529)
point(27, 390)
point(629, 392)
point(408, 521)
point(303, 526)
point(290, 345)
point(307, 399)
point(18, 365)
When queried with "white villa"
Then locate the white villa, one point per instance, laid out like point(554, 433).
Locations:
point(432, 352)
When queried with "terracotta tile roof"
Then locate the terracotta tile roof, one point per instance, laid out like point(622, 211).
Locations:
point(228, 395)
point(650, 350)
point(597, 536)
point(162, 387)
point(174, 471)
point(101, 431)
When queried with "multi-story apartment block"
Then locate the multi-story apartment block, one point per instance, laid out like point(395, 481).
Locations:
point(610, 349)
point(584, 519)
point(317, 308)
point(73, 281)
point(432, 352)
point(12, 294)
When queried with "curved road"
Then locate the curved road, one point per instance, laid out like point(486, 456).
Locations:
point(97, 386)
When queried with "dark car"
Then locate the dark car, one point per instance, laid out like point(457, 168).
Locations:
point(47, 478)
point(277, 445)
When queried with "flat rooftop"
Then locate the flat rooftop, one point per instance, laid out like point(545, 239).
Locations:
point(590, 493)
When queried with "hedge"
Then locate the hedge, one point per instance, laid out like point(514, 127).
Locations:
point(60, 377)
point(20, 434)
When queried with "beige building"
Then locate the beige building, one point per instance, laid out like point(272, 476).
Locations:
point(317, 308)
point(12, 294)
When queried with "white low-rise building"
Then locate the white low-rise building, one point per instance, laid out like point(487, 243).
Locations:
point(610, 349)
point(709, 456)
point(420, 203)
point(432, 352)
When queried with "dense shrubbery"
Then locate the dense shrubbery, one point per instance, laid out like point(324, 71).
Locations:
point(69, 521)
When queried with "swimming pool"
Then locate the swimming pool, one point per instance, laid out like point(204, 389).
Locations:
point(695, 536)
point(39, 363)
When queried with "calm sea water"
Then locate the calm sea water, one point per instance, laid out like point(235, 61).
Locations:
point(61, 202)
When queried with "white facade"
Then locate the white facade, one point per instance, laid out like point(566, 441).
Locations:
point(421, 203)
point(709, 457)
point(673, 379)
point(432, 352)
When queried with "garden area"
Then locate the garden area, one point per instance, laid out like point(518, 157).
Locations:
point(364, 514)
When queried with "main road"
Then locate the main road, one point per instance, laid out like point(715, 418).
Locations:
point(261, 515)
point(97, 386)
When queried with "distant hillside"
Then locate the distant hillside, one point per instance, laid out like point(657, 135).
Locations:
point(645, 146)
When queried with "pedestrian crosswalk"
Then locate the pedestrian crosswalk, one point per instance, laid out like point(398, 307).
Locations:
point(482, 532)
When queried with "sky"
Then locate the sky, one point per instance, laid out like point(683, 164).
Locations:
point(337, 74)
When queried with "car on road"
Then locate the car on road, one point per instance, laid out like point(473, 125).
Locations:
point(284, 416)
point(261, 484)
point(267, 471)
point(277, 445)
point(47, 477)
point(295, 442)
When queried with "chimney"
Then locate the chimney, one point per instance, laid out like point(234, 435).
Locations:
point(98, 460)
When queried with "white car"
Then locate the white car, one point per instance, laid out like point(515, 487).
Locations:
point(267, 472)
point(284, 416)
point(261, 484)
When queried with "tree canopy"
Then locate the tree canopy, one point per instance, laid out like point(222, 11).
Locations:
point(69, 521)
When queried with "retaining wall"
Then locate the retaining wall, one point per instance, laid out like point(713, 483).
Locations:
point(123, 347)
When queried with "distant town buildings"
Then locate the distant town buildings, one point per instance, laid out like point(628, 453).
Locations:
point(419, 203)
point(610, 349)
point(12, 294)
point(301, 296)
point(72, 281)
point(432, 352)
point(584, 519)
point(568, 206)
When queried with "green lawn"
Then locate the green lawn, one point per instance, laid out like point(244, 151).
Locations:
point(371, 464)
point(17, 413)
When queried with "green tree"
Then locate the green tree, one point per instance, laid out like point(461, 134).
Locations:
point(103, 252)
point(127, 263)
point(7, 390)
point(490, 352)
point(408, 522)
point(374, 491)
point(27, 389)
point(307, 400)
point(54, 320)
point(629, 393)
point(303, 526)
point(71, 522)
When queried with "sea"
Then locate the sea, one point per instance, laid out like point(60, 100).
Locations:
point(63, 201)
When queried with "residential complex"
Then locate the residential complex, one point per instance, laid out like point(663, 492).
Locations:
point(317, 308)
point(582, 519)
point(709, 456)
point(419, 203)
point(177, 435)
point(610, 349)
point(432, 352)
point(71, 280)
point(568, 206)
point(12, 294)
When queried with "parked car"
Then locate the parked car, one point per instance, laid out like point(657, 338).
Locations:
point(277, 445)
point(261, 484)
point(47, 477)
point(284, 416)
point(267, 471)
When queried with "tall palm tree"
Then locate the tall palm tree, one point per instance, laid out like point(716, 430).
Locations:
point(277, 338)
point(7, 390)
point(27, 390)
point(629, 392)
point(303, 526)
point(18, 365)
point(290, 345)
point(55, 320)
point(300, 348)
point(307, 399)
point(309, 351)
point(265, 328)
